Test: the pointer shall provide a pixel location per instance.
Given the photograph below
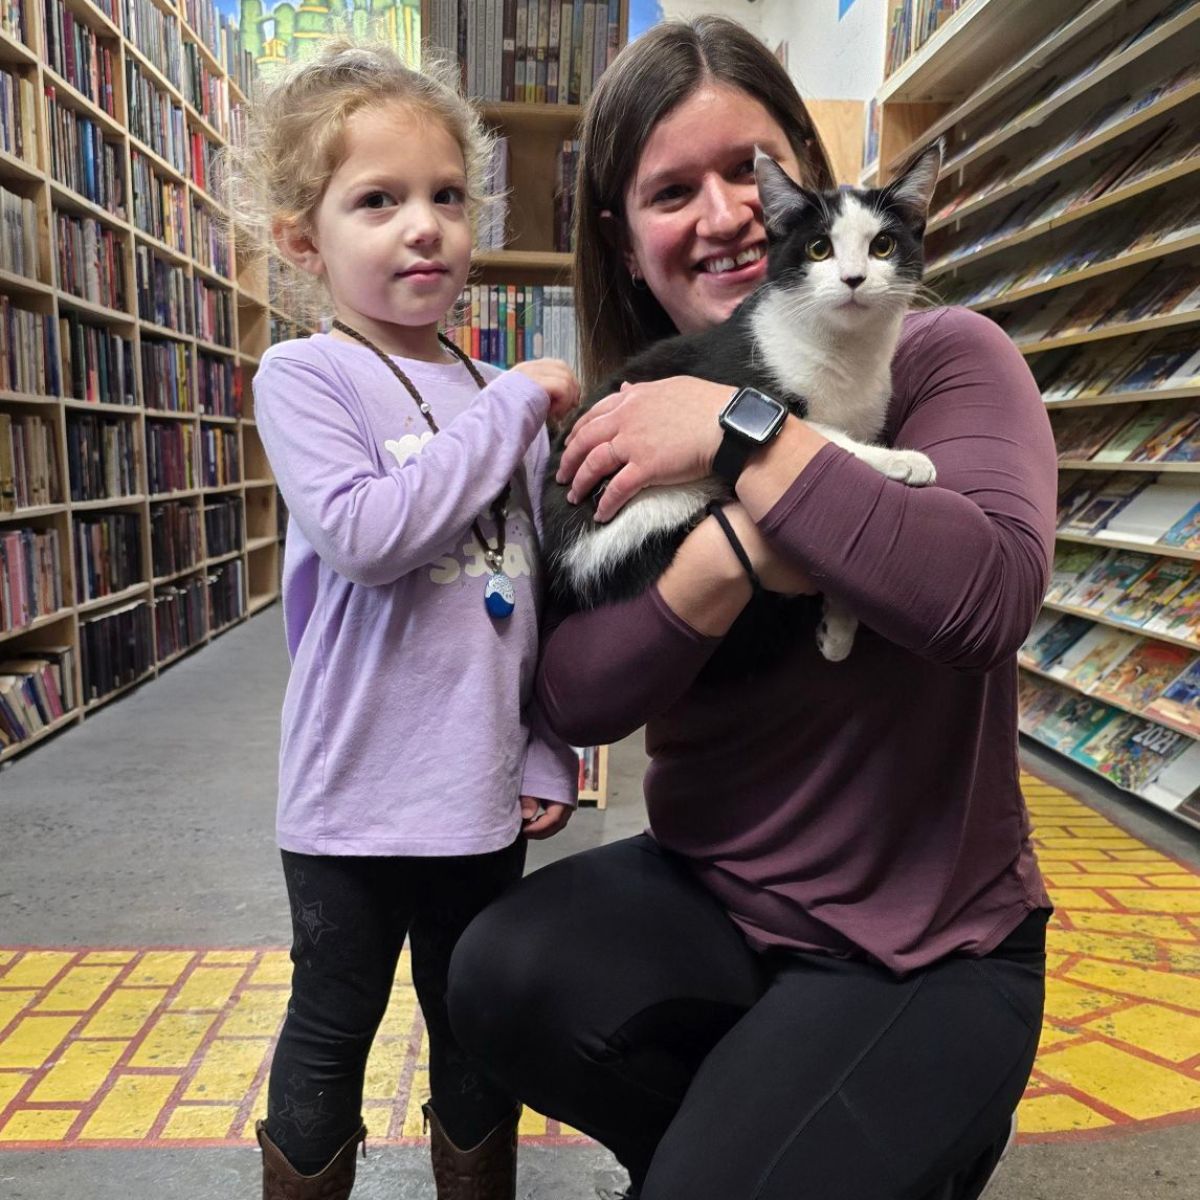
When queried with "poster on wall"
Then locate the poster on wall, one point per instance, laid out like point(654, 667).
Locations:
point(279, 33)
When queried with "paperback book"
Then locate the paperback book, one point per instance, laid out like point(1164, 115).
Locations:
point(1179, 702)
point(1143, 674)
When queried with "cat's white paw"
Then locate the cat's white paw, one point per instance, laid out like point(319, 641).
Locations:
point(909, 466)
point(835, 636)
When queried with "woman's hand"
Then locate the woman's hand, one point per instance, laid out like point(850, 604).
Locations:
point(660, 432)
point(558, 380)
point(536, 825)
point(776, 572)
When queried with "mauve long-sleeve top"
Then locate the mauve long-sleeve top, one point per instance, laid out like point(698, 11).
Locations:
point(869, 807)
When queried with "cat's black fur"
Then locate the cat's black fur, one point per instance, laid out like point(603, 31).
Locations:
point(726, 354)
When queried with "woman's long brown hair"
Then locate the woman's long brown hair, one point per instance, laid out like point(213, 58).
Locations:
point(648, 79)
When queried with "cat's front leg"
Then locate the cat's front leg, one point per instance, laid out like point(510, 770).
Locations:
point(835, 634)
point(907, 466)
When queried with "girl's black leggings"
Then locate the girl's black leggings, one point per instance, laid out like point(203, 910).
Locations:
point(610, 991)
point(350, 917)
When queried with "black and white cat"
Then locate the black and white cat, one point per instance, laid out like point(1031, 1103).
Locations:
point(843, 269)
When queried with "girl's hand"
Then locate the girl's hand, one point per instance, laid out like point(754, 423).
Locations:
point(776, 572)
point(552, 820)
point(559, 382)
point(659, 432)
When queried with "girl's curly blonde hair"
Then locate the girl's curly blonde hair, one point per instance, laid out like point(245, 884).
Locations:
point(293, 138)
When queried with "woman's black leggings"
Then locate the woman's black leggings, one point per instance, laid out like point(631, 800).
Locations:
point(610, 991)
point(350, 917)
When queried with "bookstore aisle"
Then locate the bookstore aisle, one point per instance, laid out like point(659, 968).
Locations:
point(143, 968)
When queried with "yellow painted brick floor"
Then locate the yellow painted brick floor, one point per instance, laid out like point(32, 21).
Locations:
point(170, 1047)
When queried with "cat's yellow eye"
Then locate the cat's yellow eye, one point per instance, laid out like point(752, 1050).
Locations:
point(819, 248)
point(883, 245)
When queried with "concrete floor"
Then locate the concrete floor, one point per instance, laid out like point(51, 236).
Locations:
point(151, 824)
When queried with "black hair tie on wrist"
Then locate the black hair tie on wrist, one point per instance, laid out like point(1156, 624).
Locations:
point(717, 510)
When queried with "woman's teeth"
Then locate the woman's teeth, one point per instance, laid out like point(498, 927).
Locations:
point(715, 266)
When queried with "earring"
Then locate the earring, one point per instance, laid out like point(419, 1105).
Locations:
point(638, 282)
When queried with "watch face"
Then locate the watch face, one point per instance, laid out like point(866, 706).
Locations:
point(752, 414)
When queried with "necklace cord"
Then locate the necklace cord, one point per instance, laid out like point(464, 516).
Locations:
point(493, 555)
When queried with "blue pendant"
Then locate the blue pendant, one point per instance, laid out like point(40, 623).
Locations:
point(499, 597)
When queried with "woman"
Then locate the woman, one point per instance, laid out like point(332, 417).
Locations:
point(821, 973)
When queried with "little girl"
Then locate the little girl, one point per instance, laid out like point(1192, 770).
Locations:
point(414, 763)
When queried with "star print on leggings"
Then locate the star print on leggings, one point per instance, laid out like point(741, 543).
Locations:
point(310, 918)
point(305, 1116)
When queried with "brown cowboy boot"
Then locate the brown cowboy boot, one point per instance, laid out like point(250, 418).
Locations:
point(486, 1172)
point(281, 1181)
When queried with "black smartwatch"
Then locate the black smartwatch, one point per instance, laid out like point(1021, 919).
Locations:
point(750, 420)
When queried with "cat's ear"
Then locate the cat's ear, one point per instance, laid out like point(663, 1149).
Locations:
point(783, 200)
point(913, 188)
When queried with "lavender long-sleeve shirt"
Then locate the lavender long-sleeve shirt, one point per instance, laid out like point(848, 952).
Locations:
point(868, 807)
point(409, 726)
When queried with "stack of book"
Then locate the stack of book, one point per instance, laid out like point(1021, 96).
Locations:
point(170, 457)
point(153, 32)
point(174, 538)
point(220, 457)
point(178, 616)
point(101, 457)
point(505, 324)
point(91, 260)
point(158, 204)
point(913, 23)
point(166, 380)
point(117, 649)
point(223, 527)
point(18, 235)
point(29, 475)
point(218, 386)
point(98, 362)
point(1166, 289)
point(30, 576)
point(213, 309)
point(108, 555)
point(528, 51)
point(226, 591)
point(1118, 433)
point(82, 159)
point(1156, 363)
point(85, 60)
point(18, 116)
point(36, 689)
point(164, 292)
point(28, 353)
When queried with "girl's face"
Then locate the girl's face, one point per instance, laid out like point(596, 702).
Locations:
point(391, 236)
point(693, 217)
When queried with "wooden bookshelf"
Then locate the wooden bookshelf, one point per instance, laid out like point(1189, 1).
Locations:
point(535, 133)
point(1035, 103)
point(206, 262)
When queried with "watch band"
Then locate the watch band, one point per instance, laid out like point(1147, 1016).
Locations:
point(731, 457)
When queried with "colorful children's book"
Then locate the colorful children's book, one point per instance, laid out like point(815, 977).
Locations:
point(1078, 434)
point(1143, 674)
point(1072, 561)
point(1073, 722)
point(1091, 658)
point(1185, 533)
point(1094, 751)
point(1174, 788)
point(1151, 512)
point(1130, 436)
point(1187, 449)
point(1063, 634)
point(1179, 702)
point(1104, 504)
point(1133, 756)
point(1155, 591)
point(1037, 698)
point(1180, 618)
point(1113, 575)
point(1180, 422)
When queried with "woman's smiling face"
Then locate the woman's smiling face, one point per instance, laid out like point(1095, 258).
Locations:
point(693, 219)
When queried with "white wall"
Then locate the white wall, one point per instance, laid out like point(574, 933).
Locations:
point(748, 12)
point(827, 58)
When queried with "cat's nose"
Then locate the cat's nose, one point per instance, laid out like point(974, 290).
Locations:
point(853, 281)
